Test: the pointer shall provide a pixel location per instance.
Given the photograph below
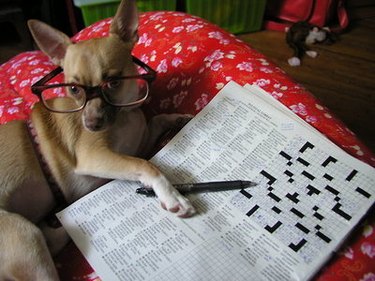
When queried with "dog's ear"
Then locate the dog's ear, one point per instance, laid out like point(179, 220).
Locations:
point(50, 40)
point(125, 22)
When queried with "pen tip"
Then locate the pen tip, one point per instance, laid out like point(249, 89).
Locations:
point(249, 184)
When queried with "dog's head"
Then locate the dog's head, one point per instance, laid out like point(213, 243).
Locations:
point(94, 61)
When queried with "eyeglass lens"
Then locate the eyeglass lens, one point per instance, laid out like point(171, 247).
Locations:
point(117, 92)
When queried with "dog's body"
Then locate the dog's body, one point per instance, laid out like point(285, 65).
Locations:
point(303, 34)
point(83, 149)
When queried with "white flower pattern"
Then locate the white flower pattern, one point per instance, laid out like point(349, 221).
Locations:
point(245, 66)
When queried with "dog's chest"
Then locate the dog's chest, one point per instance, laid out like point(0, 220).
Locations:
point(129, 133)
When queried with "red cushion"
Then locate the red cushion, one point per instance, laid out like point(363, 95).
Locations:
point(194, 60)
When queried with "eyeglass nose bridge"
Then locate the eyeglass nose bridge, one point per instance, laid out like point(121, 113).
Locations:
point(94, 92)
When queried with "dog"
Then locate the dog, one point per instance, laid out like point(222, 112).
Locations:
point(83, 148)
point(301, 35)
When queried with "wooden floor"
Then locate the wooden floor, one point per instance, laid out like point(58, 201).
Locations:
point(342, 76)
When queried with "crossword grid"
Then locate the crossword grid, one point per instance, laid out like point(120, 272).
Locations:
point(210, 261)
point(305, 198)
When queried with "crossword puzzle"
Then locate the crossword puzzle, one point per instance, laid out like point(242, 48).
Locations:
point(306, 198)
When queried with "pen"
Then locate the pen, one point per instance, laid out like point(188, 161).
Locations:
point(203, 186)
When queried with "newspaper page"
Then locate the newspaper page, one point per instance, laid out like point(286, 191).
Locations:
point(309, 195)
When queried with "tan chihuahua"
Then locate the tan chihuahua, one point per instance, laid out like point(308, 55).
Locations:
point(91, 136)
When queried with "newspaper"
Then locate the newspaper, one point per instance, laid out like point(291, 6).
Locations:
point(309, 195)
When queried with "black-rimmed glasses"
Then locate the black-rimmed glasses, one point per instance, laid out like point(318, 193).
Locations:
point(121, 91)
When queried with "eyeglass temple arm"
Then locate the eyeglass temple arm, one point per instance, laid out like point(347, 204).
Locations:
point(59, 69)
point(52, 74)
point(150, 71)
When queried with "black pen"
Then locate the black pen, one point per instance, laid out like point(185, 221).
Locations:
point(203, 186)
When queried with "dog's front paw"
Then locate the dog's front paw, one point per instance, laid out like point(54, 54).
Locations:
point(171, 200)
point(182, 120)
point(176, 203)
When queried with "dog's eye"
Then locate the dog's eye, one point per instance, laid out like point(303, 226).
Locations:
point(113, 84)
point(74, 90)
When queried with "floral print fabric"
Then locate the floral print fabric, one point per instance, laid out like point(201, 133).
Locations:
point(194, 60)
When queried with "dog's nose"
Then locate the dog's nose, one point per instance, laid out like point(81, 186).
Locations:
point(94, 124)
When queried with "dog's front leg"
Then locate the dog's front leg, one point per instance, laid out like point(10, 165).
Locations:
point(99, 161)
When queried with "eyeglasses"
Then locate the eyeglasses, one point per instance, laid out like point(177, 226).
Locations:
point(122, 91)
